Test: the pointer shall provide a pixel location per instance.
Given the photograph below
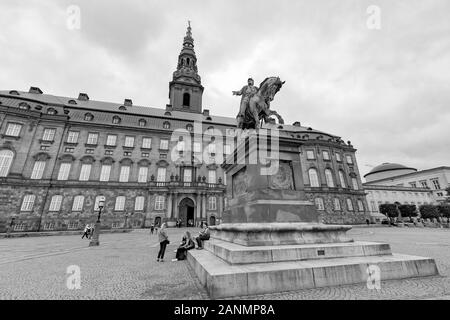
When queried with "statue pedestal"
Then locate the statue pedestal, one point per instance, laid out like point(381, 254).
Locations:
point(271, 239)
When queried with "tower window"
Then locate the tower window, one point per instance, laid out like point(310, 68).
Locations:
point(186, 99)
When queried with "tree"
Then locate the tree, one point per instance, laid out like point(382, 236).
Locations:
point(408, 210)
point(389, 210)
point(444, 210)
point(428, 211)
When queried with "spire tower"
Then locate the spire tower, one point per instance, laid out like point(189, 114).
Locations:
point(185, 89)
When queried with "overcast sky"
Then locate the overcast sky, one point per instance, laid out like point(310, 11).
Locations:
point(387, 90)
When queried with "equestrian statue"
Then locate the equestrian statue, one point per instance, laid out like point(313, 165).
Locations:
point(255, 103)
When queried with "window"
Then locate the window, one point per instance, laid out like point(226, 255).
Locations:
point(436, 184)
point(329, 178)
point(374, 207)
point(349, 159)
point(342, 179)
point(92, 138)
point(146, 143)
point(44, 148)
point(85, 172)
point(349, 205)
point(120, 203)
point(440, 194)
point(64, 171)
point(326, 155)
point(38, 170)
point(227, 149)
point(166, 125)
point(212, 203)
point(197, 147)
point(28, 202)
point(161, 174)
point(72, 136)
point(139, 204)
point(6, 158)
point(72, 225)
point(88, 117)
point(319, 204)
point(127, 154)
point(180, 146)
point(78, 202)
point(424, 184)
point(360, 205)
point(49, 226)
point(55, 203)
point(129, 141)
point(24, 106)
point(313, 178)
point(13, 129)
point(413, 184)
point(212, 176)
point(20, 226)
point(142, 123)
point(51, 111)
point(189, 127)
point(116, 120)
point(355, 184)
point(224, 179)
point(310, 155)
point(186, 99)
point(111, 140)
point(212, 148)
point(143, 173)
point(145, 154)
point(124, 174)
point(337, 204)
point(338, 157)
point(49, 134)
point(187, 175)
point(89, 151)
point(164, 144)
point(159, 202)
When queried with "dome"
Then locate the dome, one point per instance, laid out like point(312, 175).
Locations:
point(388, 170)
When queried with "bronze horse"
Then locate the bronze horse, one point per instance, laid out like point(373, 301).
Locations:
point(258, 108)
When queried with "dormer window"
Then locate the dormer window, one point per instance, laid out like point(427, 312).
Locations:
point(51, 111)
point(24, 106)
point(72, 101)
point(166, 125)
point(122, 108)
point(88, 117)
point(14, 92)
point(116, 120)
point(142, 123)
point(167, 113)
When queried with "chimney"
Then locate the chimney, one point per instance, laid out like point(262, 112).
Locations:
point(83, 97)
point(35, 90)
point(206, 113)
point(296, 124)
point(128, 102)
point(169, 107)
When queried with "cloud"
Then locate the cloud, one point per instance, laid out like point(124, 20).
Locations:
point(385, 90)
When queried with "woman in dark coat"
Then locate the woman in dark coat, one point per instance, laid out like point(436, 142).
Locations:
point(187, 244)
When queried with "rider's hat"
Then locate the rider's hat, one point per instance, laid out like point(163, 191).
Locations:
point(250, 79)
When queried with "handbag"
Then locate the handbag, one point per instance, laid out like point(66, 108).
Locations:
point(167, 241)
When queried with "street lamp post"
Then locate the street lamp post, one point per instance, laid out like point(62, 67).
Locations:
point(95, 237)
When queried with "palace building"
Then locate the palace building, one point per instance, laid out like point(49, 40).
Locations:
point(60, 155)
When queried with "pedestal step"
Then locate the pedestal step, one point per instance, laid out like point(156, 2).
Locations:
point(237, 254)
point(224, 280)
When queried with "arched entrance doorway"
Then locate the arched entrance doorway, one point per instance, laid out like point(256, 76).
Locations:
point(212, 221)
point(186, 210)
point(157, 222)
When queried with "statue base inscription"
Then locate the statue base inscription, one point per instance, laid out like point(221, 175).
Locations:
point(271, 239)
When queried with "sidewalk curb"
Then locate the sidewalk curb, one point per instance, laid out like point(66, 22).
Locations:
point(56, 233)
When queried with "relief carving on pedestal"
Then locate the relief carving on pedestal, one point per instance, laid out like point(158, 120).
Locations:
point(283, 179)
point(240, 183)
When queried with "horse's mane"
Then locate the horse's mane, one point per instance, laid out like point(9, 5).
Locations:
point(262, 86)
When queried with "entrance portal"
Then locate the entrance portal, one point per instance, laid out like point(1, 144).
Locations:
point(186, 210)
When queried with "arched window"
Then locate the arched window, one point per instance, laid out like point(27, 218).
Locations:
point(337, 204)
point(188, 61)
point(186, 99)
point(24, 106)
point(329, 178)
point(78, 202)
point(116, 120)
point(139, 203)
point(349, 205)
point(120, 203)
point(319, 204)
point(313, 178)
point(55, 203)
point(166, 125)
point(51, 111)
point(6, 158)
point(88, 117)
point(142, 123)
point(342, 179)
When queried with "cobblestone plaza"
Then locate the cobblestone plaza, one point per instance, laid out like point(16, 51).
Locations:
point(124, 267)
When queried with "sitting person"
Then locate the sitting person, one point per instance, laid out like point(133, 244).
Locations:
point(186, 244)
point(203, 235)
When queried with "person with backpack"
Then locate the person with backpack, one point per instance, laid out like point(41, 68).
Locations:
point(163, 242)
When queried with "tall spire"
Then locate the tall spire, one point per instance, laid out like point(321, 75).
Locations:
point(185, 89)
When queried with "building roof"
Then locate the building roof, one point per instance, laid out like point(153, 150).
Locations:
point(388, 167)
point(14, 97)
point(441, 168)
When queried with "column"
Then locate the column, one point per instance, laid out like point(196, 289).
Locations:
point(203, 216)
point(169, 206)
point(175, 206)
point(198, 207)
point(220, 207)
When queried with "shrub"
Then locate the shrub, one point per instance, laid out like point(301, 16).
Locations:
point(429, 211)
point(408, 210)
point(389, 210)
point(444, 210)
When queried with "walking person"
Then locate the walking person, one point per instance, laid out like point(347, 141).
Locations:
point(86, 232)
point(152, 228)
point(163, 242)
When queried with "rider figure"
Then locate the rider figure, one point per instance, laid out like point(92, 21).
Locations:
point(246, 92)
